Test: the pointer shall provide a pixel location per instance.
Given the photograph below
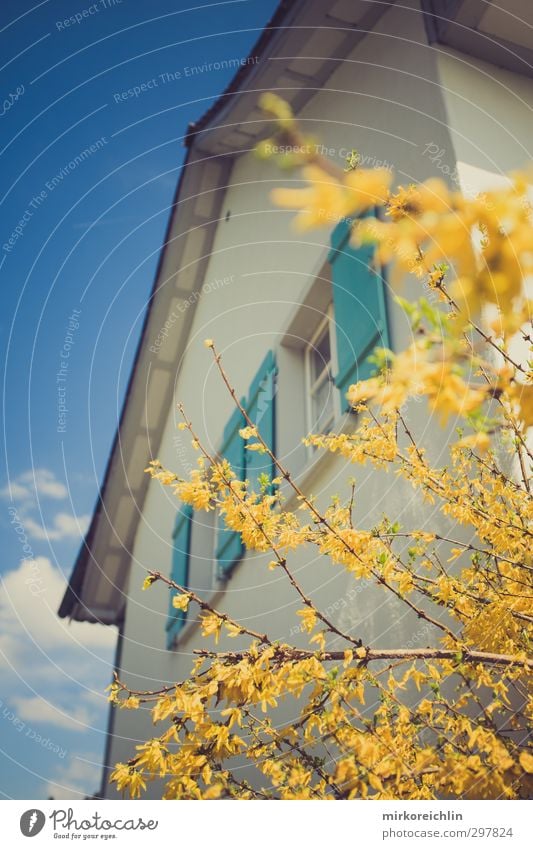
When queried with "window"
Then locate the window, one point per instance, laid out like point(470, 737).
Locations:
point(360, 314)
point(180, 570)
point(319, 374)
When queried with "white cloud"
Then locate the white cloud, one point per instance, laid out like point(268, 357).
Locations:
point(54, 674)
point(29, 599)
point(16, 491)
point(46, 483)
point(34, 482)
point(25, 490)
point(77, 778)
point(38, 709)
point(65, 526)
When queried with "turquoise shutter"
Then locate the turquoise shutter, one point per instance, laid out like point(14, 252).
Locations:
point(229, 545)
point(180, 569)
point(359, 305)
point(261, 410)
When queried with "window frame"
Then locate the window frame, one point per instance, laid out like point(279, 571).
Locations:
point(327, 322)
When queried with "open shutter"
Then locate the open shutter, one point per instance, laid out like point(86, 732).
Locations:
point(359, 308)
point(261, 410)
point(229, 545)
point(180, 569)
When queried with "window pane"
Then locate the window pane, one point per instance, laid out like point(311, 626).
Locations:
point(322, 406)
point(320, 355)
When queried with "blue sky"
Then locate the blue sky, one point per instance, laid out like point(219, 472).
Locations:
point(89, 166)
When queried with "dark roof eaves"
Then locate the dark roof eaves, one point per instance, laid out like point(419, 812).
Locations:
point(71, 597)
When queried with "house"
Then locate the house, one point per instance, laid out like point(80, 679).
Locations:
point(429, 88)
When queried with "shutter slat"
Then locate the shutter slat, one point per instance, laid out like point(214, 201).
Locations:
point(359, 309)
point(180, 569)
point(261, 409)
point(229, 545)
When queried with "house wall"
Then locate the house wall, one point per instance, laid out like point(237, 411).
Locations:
point(490, 116)
point(385, 100)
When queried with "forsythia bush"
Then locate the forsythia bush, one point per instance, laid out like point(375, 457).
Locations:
point(445, 721)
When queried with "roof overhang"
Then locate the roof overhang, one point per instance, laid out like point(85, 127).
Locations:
point(501, 34)
point(297, 53)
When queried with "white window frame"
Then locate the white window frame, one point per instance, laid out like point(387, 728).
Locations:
point(311, 386)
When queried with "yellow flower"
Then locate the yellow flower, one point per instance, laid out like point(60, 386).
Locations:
point(526, 762)
point(404, 203)
point(247, 432)
point(131, 703)
point(214, 791)
point(417, 676)
point(413, 201)
point(211, 625)
point(479, 442)
point(279, 108)
point(181, 602)
point(363, 391)
point(233, 630)
point(524, 394)
point(308, 616)
point(320, 639)
point(127, 777)
point(195, 491)
point(367, 188)
point(322, 198)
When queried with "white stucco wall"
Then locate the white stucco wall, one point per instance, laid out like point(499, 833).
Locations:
point(386, 102)
point(491, 120)
point(490, 115)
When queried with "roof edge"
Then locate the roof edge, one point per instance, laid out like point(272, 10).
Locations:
point(286, 10)
point(75, 585)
